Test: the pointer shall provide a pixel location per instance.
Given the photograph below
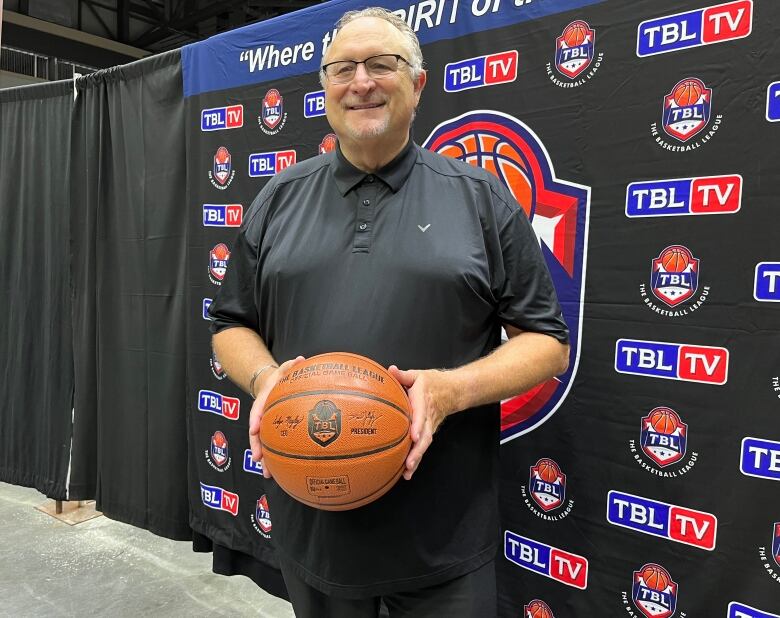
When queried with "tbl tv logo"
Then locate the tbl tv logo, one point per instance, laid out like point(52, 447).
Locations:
point(558, 211)
point(672, 361)
point(706, 26)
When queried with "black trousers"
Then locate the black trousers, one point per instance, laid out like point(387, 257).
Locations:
point(472, 595)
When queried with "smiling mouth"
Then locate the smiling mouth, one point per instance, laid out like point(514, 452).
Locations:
point(363, 106)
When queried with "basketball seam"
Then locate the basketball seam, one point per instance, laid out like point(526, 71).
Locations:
point(338, 392)
point(335, 457)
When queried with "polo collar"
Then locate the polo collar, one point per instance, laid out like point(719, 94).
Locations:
point(394, 174)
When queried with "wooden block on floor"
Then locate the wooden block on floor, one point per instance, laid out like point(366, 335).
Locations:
point(73, 513)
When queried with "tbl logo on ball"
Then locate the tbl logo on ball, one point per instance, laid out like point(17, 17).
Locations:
point(218, 261)
point(653, 593)
point(272, 115)
point(222, 173)
point(216, 367)
point(686, 111)
point(261, 518)
point(663, 438)
point(674, 279)
point(218, 453)
point(324, 422)
point(537, 609)
point(574, 53)
point(547, 488)
point(558, 211)
point(328, 143)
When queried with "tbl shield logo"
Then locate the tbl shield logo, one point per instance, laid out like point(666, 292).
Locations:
point(558, 211)
point(272, 108)
point(537, 609)
point(263, 515)
point(654, 593)
point(776, 544)
point(547, 484)
point(218, 261)
point(328, 143)
point(216, 367)
point(324, 422)
point(219, 449)
point(687, 109)
point(675, 275)
point(574, 48)
point(222, 173)
point(664, 436)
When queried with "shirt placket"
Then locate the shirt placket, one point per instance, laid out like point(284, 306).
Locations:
point(367, 196)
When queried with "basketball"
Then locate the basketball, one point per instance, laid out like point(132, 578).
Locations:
point(675, 259)
point(335, 431)
point(574, 34)
point(663, 420)
point(548, 470)
point(655, 577)
point(538, 609)
point(687, 92)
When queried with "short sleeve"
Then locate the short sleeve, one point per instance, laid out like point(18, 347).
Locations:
point(523, 285)
point(234, 304)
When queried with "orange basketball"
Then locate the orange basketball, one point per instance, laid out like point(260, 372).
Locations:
point(335, 431)
point(675, 259)
point(548, 470)
point(655, 576)
point(538, 609)
point(687, 92)
point(574, 34)
point(663, 420)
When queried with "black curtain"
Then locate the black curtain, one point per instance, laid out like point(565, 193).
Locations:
point(36, 363)
point(128, 229)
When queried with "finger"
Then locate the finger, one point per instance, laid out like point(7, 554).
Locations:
point(419, 414)
point(416, 454)
point(256, 446)
point(266, 472)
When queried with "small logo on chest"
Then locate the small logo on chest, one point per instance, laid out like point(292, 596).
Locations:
point(424, 229)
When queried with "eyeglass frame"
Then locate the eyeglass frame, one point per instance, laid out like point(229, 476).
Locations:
point(324, 67)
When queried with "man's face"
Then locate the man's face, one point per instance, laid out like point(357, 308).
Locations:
point(365, 107)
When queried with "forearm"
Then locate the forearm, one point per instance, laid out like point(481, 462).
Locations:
point(241, 351)
point(518, 365)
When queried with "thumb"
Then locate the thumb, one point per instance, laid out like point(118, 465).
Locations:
point(406, 378)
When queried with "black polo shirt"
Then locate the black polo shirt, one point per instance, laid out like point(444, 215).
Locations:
point(417, 265)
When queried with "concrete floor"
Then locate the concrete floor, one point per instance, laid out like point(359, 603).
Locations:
point(104, 568)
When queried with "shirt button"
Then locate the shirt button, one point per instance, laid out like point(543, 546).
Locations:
point(363, 226)
point(369, 179)
point(366, 202)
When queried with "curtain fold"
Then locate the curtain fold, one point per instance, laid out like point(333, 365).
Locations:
point(129, 239)
point(36, 364)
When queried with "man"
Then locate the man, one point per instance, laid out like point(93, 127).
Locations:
point(417, 261)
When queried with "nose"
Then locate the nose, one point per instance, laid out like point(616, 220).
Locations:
point(362, 82)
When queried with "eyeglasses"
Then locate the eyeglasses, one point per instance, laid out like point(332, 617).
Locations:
point(377, 67)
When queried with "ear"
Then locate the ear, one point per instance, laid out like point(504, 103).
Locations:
point(419, 85)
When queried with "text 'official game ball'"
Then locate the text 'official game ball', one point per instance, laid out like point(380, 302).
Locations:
point(335, 431)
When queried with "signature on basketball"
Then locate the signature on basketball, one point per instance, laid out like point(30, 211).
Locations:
point(368, 417)
point(288, 423)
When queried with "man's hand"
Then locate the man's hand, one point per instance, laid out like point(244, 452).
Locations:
point(433, 395)
point(256, 413)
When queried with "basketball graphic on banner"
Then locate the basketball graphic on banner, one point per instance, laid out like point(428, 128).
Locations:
point(558, 211)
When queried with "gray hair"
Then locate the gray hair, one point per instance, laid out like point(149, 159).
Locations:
point(415, 56)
